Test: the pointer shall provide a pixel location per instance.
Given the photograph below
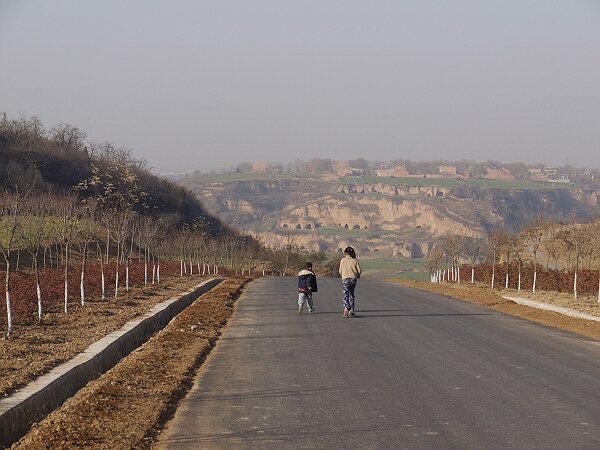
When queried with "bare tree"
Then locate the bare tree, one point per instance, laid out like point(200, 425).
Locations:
point(121, 229)
point(507, 244)
point(454, 246)
point(493, 244)
point(68, 210)
point(89, 231)
point(434, 263)
point(473, 251)
point(576, 238)
point(11, 204)
point(133, 229)
point(534, 235)
point(68, 137)
point(149, 228)
point(36, 232)
point(518, 251)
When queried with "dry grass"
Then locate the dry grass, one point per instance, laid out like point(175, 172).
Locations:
point(127, 406)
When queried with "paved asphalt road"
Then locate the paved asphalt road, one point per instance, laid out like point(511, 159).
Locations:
point(413, 370)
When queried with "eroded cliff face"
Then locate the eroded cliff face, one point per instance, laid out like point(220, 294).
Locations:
point(358, 212)
point(391, 220)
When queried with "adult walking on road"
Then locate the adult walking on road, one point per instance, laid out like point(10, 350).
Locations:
point(350, 272)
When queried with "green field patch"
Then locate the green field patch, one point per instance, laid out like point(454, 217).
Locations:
point(451, 182)
point(398, 264)
point(48, 226)
point(263, 176)
point(416, 276)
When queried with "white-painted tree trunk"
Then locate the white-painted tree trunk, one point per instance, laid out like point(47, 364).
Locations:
point(575, 286)
point(191, 268)
point(493, 279)
point(458, 274)
point(199, 268)
point(519, 287)
point(153, 273)
point(158, 273)
point(472, 275)
point(127, 277)
point(204, 269)
point(534, 280)
point(146, 273)
point(9, 320)
point(39, 300)
point(116, 284)
point(82, 288)
point(66, 295)
point(103, 285)
point(506, 282)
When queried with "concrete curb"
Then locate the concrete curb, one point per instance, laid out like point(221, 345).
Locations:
point(39, 398)
point(548, 307)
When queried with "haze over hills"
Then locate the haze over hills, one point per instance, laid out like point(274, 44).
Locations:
point(391, 209)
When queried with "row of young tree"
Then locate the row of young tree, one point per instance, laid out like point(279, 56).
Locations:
point(70, 231)
point(74, 205)
point(567, 251)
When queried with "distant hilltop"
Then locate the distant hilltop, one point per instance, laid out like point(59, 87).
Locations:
point(461, 170)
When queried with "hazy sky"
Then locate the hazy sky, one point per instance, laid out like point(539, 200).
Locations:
point(202, 85)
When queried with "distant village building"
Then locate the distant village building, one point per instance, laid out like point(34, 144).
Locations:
point(449, 171)
point(398, 171)
point(342, 169)
point(384, 172)
point(259, 167)
point(401, 171)
point(537, 175)
point(499, 174)
point(562, 178)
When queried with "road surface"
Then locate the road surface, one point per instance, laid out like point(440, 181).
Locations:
point(413, 370)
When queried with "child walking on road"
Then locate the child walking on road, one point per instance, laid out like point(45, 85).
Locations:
point(307, 284)
point(350, 272)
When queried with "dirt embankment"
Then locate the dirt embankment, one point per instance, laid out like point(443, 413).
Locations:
point(483, 295)
point(127, 406)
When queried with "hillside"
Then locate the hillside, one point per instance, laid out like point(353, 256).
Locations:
point(390, 218)
point(59, 159)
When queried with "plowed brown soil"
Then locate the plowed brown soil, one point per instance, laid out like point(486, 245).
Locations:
point(35, 348)
point(492, 298)
point(126, 407)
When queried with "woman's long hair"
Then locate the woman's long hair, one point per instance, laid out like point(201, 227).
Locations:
point(350, 251)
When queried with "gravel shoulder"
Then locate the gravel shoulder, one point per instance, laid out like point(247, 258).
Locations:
point(127, 406)
point(492, 298)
